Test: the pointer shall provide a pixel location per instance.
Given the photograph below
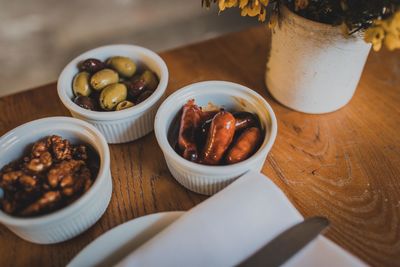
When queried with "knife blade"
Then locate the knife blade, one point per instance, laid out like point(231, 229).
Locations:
point(287, 244)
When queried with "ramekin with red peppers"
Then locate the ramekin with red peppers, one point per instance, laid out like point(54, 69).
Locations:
point(213, 132)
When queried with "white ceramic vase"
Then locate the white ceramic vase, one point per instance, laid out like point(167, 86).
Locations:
point(313, 67)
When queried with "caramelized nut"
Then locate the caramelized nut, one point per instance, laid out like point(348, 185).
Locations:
point(47, 200)
point(80, 152)
point(28, 182)
point(40, 164)
point(40, 147)
point(61, 148)
point(62, 170)
point(8, 180)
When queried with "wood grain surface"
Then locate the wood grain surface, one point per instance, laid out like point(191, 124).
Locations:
point(344, 165)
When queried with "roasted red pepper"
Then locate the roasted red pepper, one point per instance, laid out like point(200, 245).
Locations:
point(219, 138)
point(190, 122)
point(245, 146)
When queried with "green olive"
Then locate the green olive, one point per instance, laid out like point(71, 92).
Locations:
point(81, 85)
point(112, 95)
point(124, 105)
point(150, 79)
point(123, 65)
point(103, 78)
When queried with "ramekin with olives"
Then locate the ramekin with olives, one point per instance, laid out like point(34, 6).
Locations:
point(112, 85)
point(123, 76)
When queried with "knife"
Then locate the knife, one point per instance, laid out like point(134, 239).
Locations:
point(287, 244)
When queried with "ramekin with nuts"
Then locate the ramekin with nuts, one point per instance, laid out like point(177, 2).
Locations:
point(53, 174)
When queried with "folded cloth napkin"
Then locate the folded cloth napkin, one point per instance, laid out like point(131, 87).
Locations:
point(230, 226)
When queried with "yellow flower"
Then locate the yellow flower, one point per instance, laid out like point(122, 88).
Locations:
point(252, 10)
point(392, 41)
point(392, 25)
point(262, 15)
point(375, 36)
point(385, 32)
point(243, 3)
point(223, 4)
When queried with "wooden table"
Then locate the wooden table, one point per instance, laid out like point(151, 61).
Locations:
point(344, 165)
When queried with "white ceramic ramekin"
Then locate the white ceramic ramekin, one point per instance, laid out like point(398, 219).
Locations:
point(205, 179)
point(125, 125)
point(81, 214)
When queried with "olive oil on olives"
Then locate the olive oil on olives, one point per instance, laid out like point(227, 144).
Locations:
point(112, 95)
point(124, 105)
point(103, 78)
point(123, 65)
point(81, 85)
point(114, 85)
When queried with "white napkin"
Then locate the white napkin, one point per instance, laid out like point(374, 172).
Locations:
point(230, 226)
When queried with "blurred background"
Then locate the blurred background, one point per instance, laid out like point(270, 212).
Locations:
point(39, 37)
